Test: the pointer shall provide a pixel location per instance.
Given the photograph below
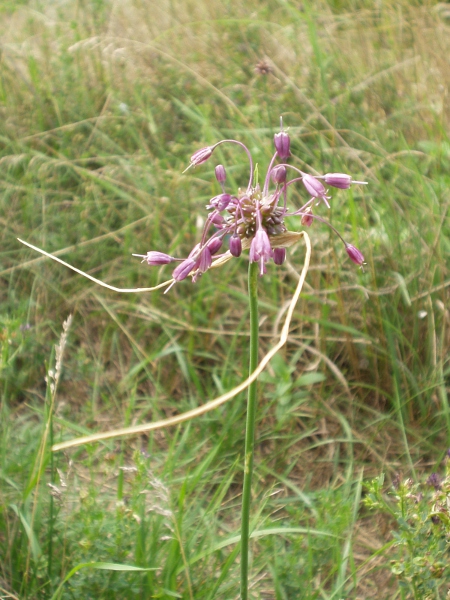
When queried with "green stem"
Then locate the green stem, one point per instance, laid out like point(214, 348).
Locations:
point(250, 427)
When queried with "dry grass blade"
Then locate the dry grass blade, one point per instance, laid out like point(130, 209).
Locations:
point(191, 414)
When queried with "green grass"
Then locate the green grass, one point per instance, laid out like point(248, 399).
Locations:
point(102, 105)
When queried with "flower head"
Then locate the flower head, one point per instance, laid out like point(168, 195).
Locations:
point(253, 217)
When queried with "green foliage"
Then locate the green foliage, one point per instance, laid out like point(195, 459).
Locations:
point(421, 514)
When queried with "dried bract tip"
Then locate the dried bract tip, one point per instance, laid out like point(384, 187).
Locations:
point(355, 255)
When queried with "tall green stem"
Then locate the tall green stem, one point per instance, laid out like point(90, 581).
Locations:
point(250, 427)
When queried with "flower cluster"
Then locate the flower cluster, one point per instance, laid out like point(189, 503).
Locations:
point(254, 217)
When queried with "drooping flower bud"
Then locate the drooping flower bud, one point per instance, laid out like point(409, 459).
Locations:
point(235, 245)
point(201, 155)
point(220, 173)
point(279, 255)
point(183, 269)
point(340, 180)
point(155, 258)
point(355, 255)
point(282, 143)
point(278, 174)
point(214, 244)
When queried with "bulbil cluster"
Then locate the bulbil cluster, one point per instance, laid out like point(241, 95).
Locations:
point(254, 214)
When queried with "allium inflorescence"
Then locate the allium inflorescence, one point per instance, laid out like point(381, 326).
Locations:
point(254, 216)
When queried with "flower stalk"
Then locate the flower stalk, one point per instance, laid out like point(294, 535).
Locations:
point(250, 427)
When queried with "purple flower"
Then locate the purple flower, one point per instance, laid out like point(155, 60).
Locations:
point(260, 249)
point(278, 174)
point(435, 480)
point(155, 258)
point(315, 188)
point(183, 269)
point(214, 244)
point(204, 262)
point(282, 143)
point(201, 155)
point(235, 245)
point(217, 220)
point(220, 173)
point(340, 180)
point(355, 255)
point(279, 255)
point(219, 202)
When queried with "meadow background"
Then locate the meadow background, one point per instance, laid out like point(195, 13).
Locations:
point(101, 105)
